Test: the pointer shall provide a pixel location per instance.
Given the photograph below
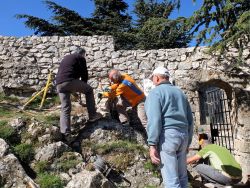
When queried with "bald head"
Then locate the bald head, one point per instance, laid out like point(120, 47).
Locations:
point(115, 76)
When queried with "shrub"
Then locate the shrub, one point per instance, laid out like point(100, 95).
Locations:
point(42, 166)
point(25, 152)
point(153, 168)
point(66, 161)
point(46, 180)
point(3, 97)
point(52, 119)
point(6, 131)
point(121, 146)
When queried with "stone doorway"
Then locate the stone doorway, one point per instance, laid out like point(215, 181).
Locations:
point(215, 115)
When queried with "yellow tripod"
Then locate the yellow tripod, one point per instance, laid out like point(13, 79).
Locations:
point(44, 91)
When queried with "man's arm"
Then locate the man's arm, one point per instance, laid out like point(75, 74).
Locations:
point(193, 159)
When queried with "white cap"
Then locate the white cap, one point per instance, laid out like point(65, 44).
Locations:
point(161, 71)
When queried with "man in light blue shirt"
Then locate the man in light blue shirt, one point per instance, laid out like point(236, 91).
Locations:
point(169, 128)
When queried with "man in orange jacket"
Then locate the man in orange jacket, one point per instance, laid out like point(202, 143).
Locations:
point(129, 95)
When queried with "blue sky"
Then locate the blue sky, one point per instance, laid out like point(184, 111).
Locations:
point(10, 26)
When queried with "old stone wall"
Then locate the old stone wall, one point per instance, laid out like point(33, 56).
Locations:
point(26, 62)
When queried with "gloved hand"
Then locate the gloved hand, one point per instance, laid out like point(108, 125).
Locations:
point(99, 95)
point(107, 89)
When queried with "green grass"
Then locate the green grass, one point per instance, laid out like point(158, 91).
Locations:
point(46, 180)
point(25, 152)
point(120, 145)
point(152, 168)
point(4, 111)
point(6, 131)
point(3, 97)
point(42, 167)
point(66, 161)
point(52, 119)
point(48, 102)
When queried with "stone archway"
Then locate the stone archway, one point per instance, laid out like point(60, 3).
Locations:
point(215, 104)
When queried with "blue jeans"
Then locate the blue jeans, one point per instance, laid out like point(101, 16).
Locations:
point(173, 150)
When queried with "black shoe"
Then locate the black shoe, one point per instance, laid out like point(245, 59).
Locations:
point(67, 138)
point(94, 118)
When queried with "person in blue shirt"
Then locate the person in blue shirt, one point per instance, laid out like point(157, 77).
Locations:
point(169, 129)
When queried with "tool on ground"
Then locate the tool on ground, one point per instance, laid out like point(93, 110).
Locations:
point(109, 172)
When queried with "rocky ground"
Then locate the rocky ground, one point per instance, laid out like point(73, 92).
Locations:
point(33, 154)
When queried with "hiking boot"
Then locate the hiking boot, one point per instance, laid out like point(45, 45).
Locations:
point(95, 117)
point(67, 138)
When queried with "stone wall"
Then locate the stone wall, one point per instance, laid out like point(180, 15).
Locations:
point(26, 62)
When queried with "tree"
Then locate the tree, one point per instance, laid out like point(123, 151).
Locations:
point(112, 16)
point(222, 24)
point(64, 22)
point(159, 33)
point(112, 19)
point(152, 9)
point(155, 30)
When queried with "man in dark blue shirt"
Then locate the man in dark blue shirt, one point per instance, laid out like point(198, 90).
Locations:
point(73, 68)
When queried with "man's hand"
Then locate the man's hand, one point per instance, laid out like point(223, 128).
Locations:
point(99, 95)
point(154, 155)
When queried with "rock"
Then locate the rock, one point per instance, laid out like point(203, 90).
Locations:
point(13, 174)
point(86, 179)
point(50, 151)
point(4, 148)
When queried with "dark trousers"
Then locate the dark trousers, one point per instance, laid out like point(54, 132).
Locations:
point(65, 89)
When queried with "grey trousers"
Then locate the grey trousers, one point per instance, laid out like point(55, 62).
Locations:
point(64, 90)
point(213, 175)
point(122, 106)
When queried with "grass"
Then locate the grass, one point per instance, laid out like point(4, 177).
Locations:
point(11, 99)
point(48, 103)
point(119, 145)
point(152, 168)
point(46, 180)
point(52, 119)
point(119, 153)
point(66, 161)
point(42, 167)
point(7, 132)
point(25, 152)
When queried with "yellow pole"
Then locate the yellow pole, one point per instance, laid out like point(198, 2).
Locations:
point(46, 89)
point(29, 101)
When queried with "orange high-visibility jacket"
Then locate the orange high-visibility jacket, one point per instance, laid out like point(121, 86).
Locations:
point(128, 89)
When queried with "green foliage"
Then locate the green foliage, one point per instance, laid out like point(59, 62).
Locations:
point(46, 180)
point(150, 186)
point(155, 30)
point(52, 119)
point(4, 111)
point(25, 152)
point(152, 168)
point(66, 161)
point(3, 97)
point(222, 24)
point(42, 167)
point(120, 145)
point(6, 131)
point(146, 9)
point(49, 102)
point(111, 18)
point(159, 33)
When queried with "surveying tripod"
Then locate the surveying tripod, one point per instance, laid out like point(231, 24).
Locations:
point(44, 91)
